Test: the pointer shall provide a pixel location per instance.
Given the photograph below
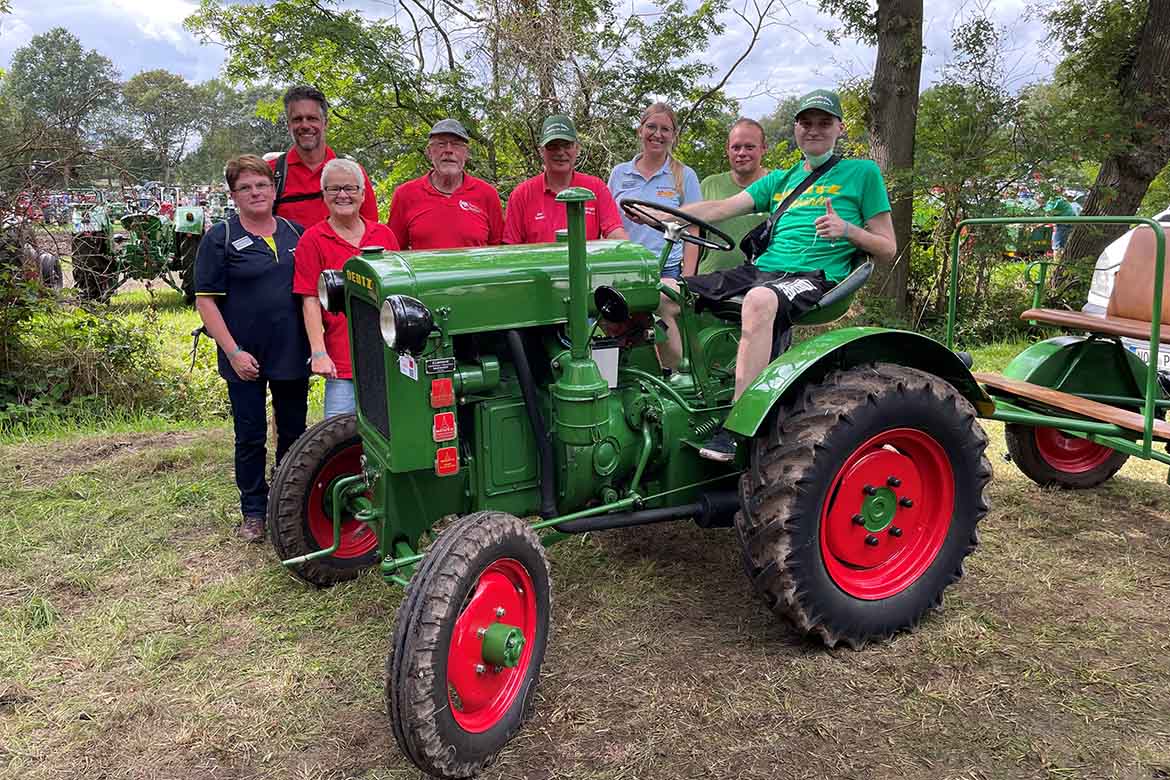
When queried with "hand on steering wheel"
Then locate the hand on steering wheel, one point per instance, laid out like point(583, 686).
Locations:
point(642, 211)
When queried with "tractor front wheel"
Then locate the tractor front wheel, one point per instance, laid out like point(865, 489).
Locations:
point(465, 660)
point(300, 520)
point(1050, 458)
point(862, 501)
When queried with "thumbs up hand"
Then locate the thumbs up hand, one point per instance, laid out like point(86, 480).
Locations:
point(830, 225)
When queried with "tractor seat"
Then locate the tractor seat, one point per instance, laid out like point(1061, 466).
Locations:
point(831, 306)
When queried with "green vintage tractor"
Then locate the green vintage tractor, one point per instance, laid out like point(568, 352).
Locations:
point(150, 246)
point(501, 383)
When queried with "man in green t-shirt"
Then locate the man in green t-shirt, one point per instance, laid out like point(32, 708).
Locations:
point(844, 212)
point(746, 145)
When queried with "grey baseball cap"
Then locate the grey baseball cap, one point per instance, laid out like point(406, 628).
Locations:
point(450, 127)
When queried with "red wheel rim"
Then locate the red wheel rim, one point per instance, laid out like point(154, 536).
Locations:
point(357, 538)
point(887, 513)
point(479, 694)
point(1070, 454)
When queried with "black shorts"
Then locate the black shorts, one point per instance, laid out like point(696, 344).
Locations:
point(796, 293)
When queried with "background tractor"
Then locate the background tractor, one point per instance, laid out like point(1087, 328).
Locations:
point(151, 245)
point(501, 383)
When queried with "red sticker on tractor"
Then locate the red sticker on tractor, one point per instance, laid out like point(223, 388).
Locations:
point(447, 461)
point(442, 393)
point(444, 429)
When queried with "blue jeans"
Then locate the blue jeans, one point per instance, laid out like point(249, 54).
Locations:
point(671, 272)
point(339, 397)
point(290, 404)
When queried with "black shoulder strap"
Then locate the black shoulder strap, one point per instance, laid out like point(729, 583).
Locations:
point(280, 173)
point(291, 226)
point(817, 173)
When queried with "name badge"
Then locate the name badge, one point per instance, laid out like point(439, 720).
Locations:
point(242, 243)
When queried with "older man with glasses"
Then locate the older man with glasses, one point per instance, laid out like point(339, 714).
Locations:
point(297, 172)
point(447, 207)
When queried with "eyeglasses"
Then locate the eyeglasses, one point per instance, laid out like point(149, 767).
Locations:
point(448, 144)
point(250, 188)
point(348, 189)
point(663, 129)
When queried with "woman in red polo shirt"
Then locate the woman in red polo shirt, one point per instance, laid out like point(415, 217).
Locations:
point(327, 245)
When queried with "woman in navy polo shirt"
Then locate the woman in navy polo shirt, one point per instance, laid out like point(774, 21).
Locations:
point(243, 288)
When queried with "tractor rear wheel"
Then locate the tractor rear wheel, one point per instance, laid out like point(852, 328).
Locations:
point(465, 659)
point(299, 519)
point(862, 501)
point(94, 270)
point(187, 249)
point(1051, 459)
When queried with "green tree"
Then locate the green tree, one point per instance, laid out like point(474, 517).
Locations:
point(231, 124)
point(58, 86)
point(167, 112)
point(1116, 74)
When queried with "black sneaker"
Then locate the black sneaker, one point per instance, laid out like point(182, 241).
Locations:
point(720, 447)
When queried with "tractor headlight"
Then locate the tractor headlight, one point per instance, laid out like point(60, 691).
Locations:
point(331, 291)
point(405, 323)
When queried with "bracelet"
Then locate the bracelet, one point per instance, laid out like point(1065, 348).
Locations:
point(320, 355)
point(846, 233)
point(235, 352)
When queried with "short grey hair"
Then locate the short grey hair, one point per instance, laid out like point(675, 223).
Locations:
point(342, 165)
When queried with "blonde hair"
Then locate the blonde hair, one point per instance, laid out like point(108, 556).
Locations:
point(676, 168)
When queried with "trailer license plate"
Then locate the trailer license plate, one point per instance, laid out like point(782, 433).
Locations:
point(1144, 354)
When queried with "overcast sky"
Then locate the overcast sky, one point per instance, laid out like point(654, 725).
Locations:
point(145, 34)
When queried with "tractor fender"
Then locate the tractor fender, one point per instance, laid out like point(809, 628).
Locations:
point(812, 360)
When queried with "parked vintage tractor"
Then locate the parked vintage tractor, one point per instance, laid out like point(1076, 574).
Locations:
point(1076, 407)
point(151, 247)
point(501, 383)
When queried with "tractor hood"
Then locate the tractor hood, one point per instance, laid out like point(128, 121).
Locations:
point(493, 288)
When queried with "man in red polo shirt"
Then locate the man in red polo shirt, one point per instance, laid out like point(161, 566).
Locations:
point(447, 207)
point(534, 216)
point(299, 187)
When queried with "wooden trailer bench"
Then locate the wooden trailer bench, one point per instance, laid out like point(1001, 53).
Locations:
point(1092, 323)
point(1001, 385)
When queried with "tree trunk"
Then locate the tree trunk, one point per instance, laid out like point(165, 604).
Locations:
point(1124, 178)
point(892, 115)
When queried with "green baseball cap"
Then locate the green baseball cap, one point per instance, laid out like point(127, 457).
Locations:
point(822, 100)
point(558, 128)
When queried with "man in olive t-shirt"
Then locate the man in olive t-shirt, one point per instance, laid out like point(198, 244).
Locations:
point(746, 146)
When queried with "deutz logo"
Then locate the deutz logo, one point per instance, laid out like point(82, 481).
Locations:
point(357, 278)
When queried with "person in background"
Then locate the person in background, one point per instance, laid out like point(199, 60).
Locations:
point(655, 176)
point(327, 245)
point(1060, 207)
point(533, 215)
point(447, 207)
point(243, 293)
point(746, 146)
point(297, 172)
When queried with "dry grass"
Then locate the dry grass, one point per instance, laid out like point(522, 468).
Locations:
point(139, 640)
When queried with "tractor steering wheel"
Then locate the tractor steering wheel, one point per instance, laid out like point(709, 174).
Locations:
point(639, 207)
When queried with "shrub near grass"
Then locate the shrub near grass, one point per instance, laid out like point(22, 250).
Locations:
point(104, 363)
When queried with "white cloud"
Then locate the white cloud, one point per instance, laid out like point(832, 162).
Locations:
point(158, 20)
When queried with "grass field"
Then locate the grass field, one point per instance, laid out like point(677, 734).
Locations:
point(139, 639)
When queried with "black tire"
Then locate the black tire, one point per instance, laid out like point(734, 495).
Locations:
point(1037, 452)
point(799, 511)
point(94, 270)
point(186, 251)
point(328, 450)
point(51, 274)
point(420, 698)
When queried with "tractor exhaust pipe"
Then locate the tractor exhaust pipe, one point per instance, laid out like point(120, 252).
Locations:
point(548, 481)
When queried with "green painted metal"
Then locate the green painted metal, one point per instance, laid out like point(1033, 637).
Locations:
point(502, 645)
point(1012, 414)
point(189, 219)
point(878, 510)
point(812, 360)
point(1081, 365)
point(574, 199)
point(1150, 383)
point(342, 492)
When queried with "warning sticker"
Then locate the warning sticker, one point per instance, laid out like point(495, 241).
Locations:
point(444, 428)
point(408, 366)
point(447, 461)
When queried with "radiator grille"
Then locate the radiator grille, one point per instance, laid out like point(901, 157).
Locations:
point(369, 365)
